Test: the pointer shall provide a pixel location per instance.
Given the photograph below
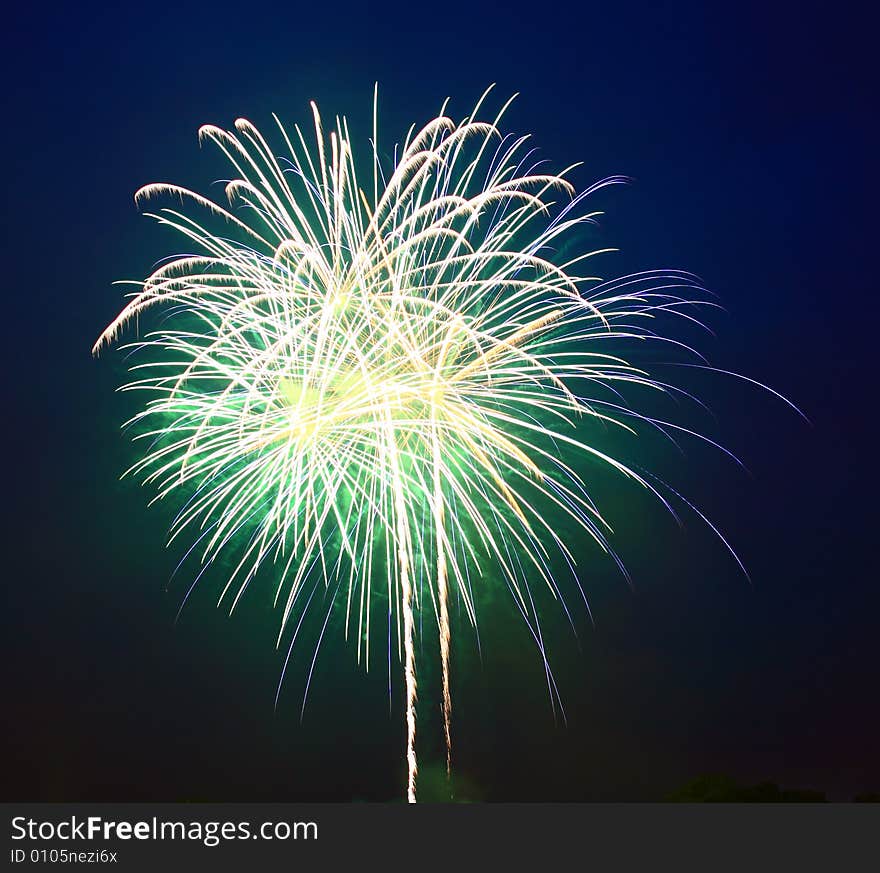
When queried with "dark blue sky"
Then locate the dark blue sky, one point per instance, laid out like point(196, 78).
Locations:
point(751, 136)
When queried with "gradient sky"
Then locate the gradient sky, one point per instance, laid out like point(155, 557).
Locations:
point(751, 136)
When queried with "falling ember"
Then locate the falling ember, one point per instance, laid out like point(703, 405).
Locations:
point(373, 385)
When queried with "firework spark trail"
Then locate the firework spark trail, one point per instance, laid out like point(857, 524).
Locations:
point(337, 377)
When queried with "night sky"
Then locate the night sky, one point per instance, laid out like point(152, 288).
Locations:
point(751, 137)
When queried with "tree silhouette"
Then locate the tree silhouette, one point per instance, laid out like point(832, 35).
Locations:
point(720, 788)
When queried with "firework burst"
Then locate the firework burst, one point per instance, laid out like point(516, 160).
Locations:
point(369, 386)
